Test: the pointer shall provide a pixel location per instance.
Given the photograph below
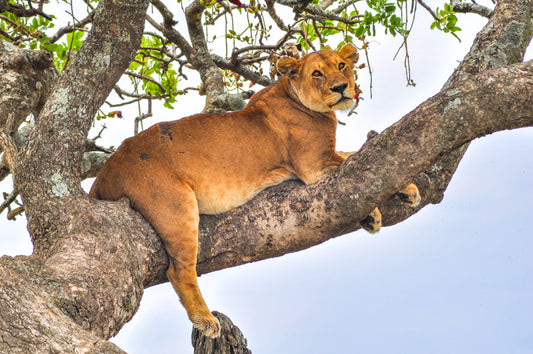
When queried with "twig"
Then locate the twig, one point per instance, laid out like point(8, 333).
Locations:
point(233, 59)
point(8, 199)
point(425, 6)
point(71, 28)
point(277, 20)
point(239, 69)
point(21, 11)
point(343, 6)
point(139, 97)
point(320, 39)
point(6, 35)
point(143, 77)
point(139, 119)
point(91, 145)
point(15, 212)
point(318, 11)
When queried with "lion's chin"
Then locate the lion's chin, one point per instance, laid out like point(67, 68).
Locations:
point(342, 104)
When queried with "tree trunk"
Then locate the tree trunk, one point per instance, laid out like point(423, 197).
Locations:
point(92, 259)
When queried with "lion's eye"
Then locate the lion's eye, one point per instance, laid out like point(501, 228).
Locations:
point(317, 73)
point(341, 66)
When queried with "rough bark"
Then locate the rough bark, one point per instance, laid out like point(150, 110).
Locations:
point(26, 78)
point(84, 279)
point(231, 340)
point(92, 259)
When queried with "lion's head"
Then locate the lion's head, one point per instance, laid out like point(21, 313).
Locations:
point(323, 81)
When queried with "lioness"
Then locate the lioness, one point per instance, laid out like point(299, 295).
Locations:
point(210, 163)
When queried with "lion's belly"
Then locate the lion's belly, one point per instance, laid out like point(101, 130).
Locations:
point(215, 201)
point(223, 195)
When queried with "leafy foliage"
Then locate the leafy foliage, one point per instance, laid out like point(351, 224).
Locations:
point(259, 28)
point(446, 21)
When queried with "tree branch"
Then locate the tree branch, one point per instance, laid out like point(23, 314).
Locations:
point(71, 28)
point(27, 74)
point(21, 11)
point(212, 81)
point(309, 215)
point(464, 7)
point(47, 173)
point(49, 164)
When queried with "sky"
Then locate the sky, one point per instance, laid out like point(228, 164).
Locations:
point(457, 277)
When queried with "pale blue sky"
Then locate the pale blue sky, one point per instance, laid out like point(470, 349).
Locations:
point(455, 278)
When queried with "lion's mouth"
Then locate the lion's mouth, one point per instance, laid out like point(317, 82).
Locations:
point(342, 99)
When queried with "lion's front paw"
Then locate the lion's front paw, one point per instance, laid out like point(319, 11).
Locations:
point(372, 223)
point(410, 195)
point(208, 325)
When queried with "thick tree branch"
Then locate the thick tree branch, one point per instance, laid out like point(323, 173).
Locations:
point(309, 215)
point(212, 81)
point(506, 35)
point(49, 164)
point(501, 42)
point(26, 78)
point(64, 300)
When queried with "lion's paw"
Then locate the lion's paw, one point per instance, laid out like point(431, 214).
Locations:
point(372, 223)
point(410, 195)
point(208, 325)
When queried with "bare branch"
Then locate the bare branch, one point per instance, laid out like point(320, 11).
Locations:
point(241, 70)
point(8, 199)
point(15, 212)
point(344, 6)
point(167, 28)
point(146, 78)
point(321, 15)
point(71, 28)
point(325, 4)
point(428, 9)
point(234, 60)
point(21, 11)
point(464, 7)
point(139, 97)
point(139, 119)
point(277, 20)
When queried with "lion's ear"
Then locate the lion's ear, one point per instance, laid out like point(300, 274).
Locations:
point(349, 52)
point(288, 66)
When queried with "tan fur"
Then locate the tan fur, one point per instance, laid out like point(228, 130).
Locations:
point(211, 163)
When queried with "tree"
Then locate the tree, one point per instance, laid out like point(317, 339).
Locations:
point(78, 277)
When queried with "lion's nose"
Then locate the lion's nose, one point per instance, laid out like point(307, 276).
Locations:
point(339, 88)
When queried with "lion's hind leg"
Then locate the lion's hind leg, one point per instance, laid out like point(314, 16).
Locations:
point(172, 209)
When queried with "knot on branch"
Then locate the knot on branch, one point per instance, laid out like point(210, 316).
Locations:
point(25, 60)
point(371, 135)
point(233, 102)
point(231, 340)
